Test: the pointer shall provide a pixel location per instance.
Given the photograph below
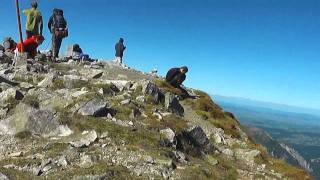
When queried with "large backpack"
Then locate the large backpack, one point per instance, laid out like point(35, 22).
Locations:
point(59, 24)
point(58, 19)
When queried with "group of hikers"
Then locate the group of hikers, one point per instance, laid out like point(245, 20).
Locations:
point(58, 27)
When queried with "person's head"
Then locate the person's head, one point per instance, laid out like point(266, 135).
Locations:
point(39, 39)
point(34, 4)
point(184, 69)
point(121, 40)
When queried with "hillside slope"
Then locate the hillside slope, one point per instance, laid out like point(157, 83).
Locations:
point(101, 121)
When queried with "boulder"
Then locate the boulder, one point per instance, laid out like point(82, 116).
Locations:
point(152, 89)
point(28, 119)
point(120, 84)
point(172, 104)
point(96, 108)
point(85, 140)
point(43, 122)
point(168, 138)
point(194, 141)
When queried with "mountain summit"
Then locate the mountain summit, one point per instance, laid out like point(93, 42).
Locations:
point(98, 120)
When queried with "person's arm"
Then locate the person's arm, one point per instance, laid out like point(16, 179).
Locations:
point(50, 23)
point(41, 25)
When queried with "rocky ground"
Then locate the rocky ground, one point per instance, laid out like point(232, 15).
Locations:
point(98, 120)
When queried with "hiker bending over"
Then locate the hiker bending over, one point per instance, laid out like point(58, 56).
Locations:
point(30, 45)
point(34, 24)
point(59, 30)
point(119, 51)
point(175, 77)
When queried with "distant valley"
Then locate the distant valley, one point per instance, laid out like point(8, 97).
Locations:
point(293, 131)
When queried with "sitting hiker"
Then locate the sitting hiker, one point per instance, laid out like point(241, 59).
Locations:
point(30, 45)
point(9, 45)
point(175, 77)
point(78, 53)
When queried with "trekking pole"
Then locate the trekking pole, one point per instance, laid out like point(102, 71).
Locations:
point(19, 25)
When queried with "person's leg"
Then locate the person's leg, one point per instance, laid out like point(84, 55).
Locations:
point(53, 47)
point(58, 45)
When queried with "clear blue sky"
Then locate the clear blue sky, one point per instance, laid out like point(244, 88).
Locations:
point(259, 49)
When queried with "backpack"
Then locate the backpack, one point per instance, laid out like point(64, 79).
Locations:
point(58, 19)
point(59, 24)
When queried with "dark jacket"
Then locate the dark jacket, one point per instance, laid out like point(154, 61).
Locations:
point(119, 49)
point(175, 77)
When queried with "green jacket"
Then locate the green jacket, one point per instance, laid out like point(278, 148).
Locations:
point(34, 20)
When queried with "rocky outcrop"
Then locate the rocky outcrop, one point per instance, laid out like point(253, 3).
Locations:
point(91, 120)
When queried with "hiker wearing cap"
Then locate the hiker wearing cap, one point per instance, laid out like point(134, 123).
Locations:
point(119, 47)
point(59, 30)
point(34, 24)
point(30, 45)
point(175, 77)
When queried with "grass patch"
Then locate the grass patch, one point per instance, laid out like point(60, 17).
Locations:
point(101, 168)
point(24, 135)
point(166, 87)
point(31, 100)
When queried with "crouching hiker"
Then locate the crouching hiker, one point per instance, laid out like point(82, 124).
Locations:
point(78, 54)
point(119, 47)
point(30, 45)
point(175, 77)
point(59, 30)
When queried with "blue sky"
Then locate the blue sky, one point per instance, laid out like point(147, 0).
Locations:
point(260, 49)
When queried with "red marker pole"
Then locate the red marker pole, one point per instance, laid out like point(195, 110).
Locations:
point(19, 24)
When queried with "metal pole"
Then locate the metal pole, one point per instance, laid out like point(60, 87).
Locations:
point(19, 24)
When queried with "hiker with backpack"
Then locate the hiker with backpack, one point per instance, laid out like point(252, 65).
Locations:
point(59, 30)
point(34, 24)
point(119, 47)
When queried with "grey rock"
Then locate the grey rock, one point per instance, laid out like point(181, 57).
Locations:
point(141, 99)
point(125, 102)
point(86, 139)
point(194, 141)
point(47, 81)
point(172, 104)
point(3, 177)
point(168, 138)
point(43, 122)
point(62, 161)
point(96, 108)
point(26, 86)
point(152, 89)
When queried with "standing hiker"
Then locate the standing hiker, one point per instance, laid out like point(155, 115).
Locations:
point(34, 24)
point(119, 51)
point(59, 30)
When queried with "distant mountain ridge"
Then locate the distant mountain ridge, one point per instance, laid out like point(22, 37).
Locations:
point(268, 105)
point(276, 149)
